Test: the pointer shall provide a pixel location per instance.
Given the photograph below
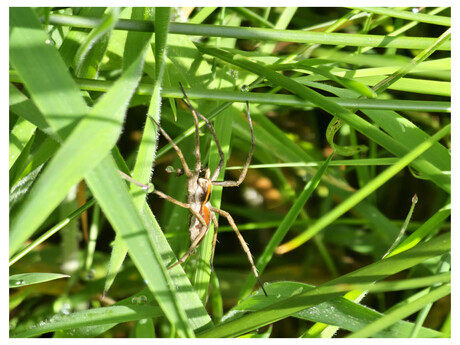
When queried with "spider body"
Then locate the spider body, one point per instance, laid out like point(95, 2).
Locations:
point(198, 199)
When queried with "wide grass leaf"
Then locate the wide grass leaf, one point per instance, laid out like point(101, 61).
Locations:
point(90, 141)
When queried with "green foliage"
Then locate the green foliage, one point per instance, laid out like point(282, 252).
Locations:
point(351, 113)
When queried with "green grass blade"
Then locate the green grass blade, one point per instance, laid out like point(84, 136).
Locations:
point(261, 33)
point(287, 100)
point(113, 197)
point(427, 227)
point(90, 53)
point(347, 116)
point(142, 168)
point(147, 148)
point(347, 315)
point(43, 72)
point(51, 231)
point(284, 227)
point(22, 106)
point(363, 192)
point(323, 293)
point(24, 279)
point(419, 17)
point(202, 15)
point(402, 312)
point(20, 136)
point(91, 317)
point(90, 141)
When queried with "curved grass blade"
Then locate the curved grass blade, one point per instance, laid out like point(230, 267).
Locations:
point(419, 17)
point(24, 279)
point(325, 292)
point(346, 314)
point(87, 318)
point(90, 53)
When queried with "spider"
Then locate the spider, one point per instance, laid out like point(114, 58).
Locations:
point(199, 187)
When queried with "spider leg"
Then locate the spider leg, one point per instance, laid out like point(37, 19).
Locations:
point(181, 204)
point(241, 239)
point(246, 165)
point(213, 132)
point(197, 132)
point(214, 239)
point(176, 148)
point(194, 244)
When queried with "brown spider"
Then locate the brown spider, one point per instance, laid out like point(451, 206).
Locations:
point(199, 186)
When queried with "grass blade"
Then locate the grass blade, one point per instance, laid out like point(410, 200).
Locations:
point(323, 293)
point(284, 226)
point(24, 279)
point(113, 197)
point(362, 193)
point(88, 144)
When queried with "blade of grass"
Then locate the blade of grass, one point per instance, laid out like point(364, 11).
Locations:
point(424, 230)
point(113, 197)
point(24, 279)
point(19, 138)
point(363, 192)
point(346, 314)
point(284, 227)
point(52, 231)
point(22, 106)
point(90, 141)
point(402, 312)
point(90, 53)
point(91, 317)
point(204, 13)
point(325, 292)
point(42, 70)
point(419, 17)
point(347, 116)
point(297, 36)
point(276, 99)
point(147, 147)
